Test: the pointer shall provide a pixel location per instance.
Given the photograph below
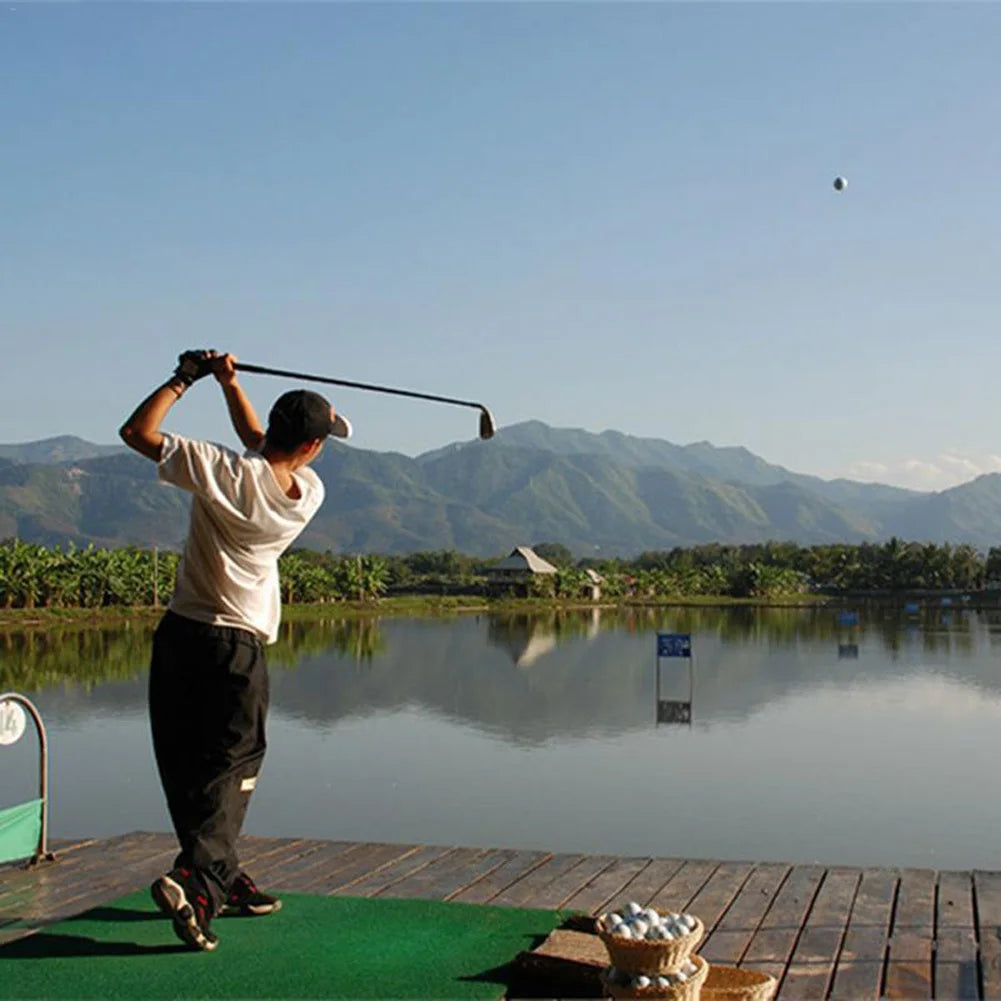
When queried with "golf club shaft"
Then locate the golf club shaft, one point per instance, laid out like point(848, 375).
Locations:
point(262, 370)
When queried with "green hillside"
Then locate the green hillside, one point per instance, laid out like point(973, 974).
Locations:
point(608, 494)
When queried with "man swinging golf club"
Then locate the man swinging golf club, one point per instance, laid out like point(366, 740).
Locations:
point(208, 685)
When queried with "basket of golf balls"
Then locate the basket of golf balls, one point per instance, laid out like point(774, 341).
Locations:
point(685, 984)
point(641, 940)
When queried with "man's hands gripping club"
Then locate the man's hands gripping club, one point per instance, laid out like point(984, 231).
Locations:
point(142, 430)
point(197, 363)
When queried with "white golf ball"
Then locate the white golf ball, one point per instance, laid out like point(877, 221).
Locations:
point(840, 184)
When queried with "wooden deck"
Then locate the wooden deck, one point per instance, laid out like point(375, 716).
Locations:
point(842, 933)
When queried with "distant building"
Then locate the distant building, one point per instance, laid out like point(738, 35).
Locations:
point(515, 572)
point(593, 587)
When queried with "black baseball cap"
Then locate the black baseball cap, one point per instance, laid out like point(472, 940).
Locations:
point(302, 415)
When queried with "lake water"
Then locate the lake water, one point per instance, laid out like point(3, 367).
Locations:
point(809, 740)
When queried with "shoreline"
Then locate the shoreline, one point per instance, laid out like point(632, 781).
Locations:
point(405, 605)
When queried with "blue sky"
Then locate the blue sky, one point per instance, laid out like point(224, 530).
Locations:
point(596, 215)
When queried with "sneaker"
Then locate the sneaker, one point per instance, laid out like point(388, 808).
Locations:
point(245, 900)
point(181, 899)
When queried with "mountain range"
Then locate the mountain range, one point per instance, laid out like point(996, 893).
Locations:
point(607, 494)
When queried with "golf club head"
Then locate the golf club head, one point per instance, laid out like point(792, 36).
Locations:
point(487, 425)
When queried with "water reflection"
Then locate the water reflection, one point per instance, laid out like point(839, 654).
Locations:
point(788, 735)
point(529, 677)
point(675, 710)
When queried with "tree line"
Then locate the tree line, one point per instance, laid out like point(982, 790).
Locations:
point(33, 575)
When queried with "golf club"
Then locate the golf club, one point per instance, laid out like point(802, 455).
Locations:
point(487, 425)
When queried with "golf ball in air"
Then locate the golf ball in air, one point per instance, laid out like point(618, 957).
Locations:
point(840, 184)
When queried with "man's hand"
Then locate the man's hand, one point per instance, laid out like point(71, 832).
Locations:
point(194, 365)
point(223, 368)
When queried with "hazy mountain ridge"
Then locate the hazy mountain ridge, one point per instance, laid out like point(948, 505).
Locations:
point(598, 494)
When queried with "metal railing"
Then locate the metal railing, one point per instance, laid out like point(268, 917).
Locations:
point(41, 852)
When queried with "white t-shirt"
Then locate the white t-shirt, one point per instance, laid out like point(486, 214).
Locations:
point(241, 522)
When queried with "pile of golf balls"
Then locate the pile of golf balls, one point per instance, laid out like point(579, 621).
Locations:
point(636, 922)
point(652, 980)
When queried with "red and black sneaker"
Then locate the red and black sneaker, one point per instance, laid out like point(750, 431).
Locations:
point(246, 901)
point(185, 901)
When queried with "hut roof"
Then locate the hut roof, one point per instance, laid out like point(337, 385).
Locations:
point(525, 558)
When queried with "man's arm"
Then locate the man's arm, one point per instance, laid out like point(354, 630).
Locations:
point(241, 411)
point(142, 430)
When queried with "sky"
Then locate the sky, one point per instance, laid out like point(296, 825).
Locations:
point(601, 216)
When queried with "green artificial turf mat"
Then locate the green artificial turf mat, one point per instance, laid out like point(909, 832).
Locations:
point(316, 947)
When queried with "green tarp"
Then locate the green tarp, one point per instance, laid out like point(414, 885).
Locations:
point(20, 831)
point(315, 947)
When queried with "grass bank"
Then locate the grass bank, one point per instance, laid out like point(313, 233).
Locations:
point(403, 605)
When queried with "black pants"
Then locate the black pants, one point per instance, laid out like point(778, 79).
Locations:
point(208, 700)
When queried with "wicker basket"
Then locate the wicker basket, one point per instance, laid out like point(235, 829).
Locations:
point(633, 955)
point(688, 991)
point(729, 983)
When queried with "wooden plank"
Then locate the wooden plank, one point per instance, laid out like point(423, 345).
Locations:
point(91, 856)
point(311, 865)
point(873, 906)
point(735, 929)
point(770, 948)
point(867, 944)
point(909, 966)
point(956, 958)
point(857, 981)
point(494, 861)
point(529, 891)
point(357, 864)
point(485, 890)
point(860, 968)
point(607, 884)
point(135, 859)
point(266, 863)
point(443, 875)
point(567, 886)
point(915, 909)
point(714, 899)
point(718, 892)
point(954, 904)
point(643, 887)
point(86, 884)
point(810, 971)
point(370, 883)
point(911, 945)
point(260, 851)
point(679, 891)
point(987, 903)
point(957, 973)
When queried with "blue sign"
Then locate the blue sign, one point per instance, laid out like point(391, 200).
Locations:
point(674, 645)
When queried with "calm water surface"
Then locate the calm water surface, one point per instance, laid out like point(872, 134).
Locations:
point(869, 745)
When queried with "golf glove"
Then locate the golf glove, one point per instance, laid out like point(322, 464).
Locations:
point(192, 366)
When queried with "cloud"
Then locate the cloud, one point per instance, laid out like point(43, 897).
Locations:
point(948, 469)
